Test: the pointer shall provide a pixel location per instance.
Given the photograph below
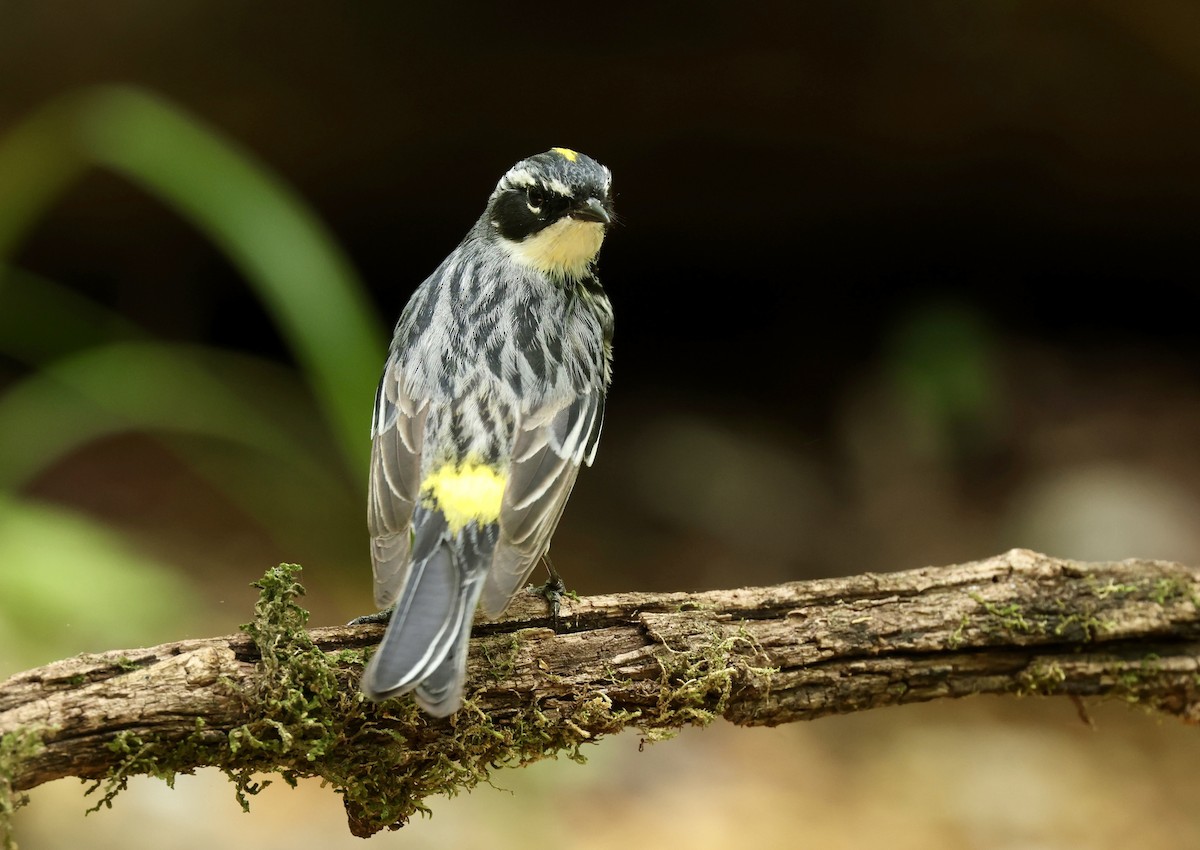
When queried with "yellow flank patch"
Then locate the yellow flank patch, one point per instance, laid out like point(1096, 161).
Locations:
point(566, 153)
point(464, 493)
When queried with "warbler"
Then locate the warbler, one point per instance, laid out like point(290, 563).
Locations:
point(492, 397)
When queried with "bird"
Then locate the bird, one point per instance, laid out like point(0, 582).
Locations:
point(491, 399)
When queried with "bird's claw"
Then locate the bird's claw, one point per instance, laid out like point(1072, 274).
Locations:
point(552, 591)
point(378, 617)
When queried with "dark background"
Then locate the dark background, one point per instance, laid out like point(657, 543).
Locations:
point(790, 175)
point(895, 284)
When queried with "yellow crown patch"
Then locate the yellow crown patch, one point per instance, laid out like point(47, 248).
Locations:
point(566, 153)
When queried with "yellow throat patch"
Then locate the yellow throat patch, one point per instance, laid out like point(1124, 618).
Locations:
point(464, 493)
point(565, 249)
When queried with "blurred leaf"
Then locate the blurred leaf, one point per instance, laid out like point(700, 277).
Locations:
point(262, 225)
point(74, 321)
point(159, 387)
point(79, 587)
point(47, 418)
point(39, 159)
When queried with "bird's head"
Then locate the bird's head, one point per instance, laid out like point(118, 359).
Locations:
point(551, 211)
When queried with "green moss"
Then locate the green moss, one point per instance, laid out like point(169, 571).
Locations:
point(1161, 591)
point(956, 637)
point(15, 747)
point(346, 657)
point(1085, 623)
point(1041, 678)
point(298, 719)
point(697, 682)
point(1011, 616)
point(138, 757)
point(1132, 685)
point(1079, 617)
point(501, 652)
point(1111, 588)
point(1164, 590)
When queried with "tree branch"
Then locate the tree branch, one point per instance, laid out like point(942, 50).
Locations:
point(283, 700)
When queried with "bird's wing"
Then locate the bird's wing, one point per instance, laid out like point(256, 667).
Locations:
point(549, 446)
point(398, 429)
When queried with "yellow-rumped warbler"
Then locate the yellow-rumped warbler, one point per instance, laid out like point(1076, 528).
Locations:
point(491, 398)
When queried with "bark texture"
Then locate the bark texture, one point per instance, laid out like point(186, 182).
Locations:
point(282, 699)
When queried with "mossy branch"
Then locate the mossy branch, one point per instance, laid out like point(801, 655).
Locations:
point(281, 699)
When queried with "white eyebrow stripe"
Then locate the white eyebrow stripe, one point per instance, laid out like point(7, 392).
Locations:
point(558, 187)
point(520, 177)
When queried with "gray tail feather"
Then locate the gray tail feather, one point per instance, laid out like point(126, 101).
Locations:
point(424, 621)
point(425, 645)
point(440, 693)
point(421, 630)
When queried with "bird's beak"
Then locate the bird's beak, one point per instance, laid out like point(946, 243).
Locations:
point(591, 209)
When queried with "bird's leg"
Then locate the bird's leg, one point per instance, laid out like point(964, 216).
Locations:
point(378, 617)
point(553, 590)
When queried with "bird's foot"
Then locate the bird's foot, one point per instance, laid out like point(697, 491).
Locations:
point(553, 591)
point(378, 617)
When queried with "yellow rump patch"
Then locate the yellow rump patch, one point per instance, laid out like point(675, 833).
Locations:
point(464, 494)
point(566, 153)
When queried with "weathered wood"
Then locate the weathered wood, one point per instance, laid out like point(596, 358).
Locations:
point(1016, 623)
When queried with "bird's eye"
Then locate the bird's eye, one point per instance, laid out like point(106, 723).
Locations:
point(535, 197)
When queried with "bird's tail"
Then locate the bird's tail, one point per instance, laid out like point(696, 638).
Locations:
point(425, 645)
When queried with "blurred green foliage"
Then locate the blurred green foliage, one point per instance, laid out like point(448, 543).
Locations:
point(941, 360)
point(262, 225)
point(70, 585)
point(91, 372)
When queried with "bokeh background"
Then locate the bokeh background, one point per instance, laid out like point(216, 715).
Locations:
point(896, 284)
